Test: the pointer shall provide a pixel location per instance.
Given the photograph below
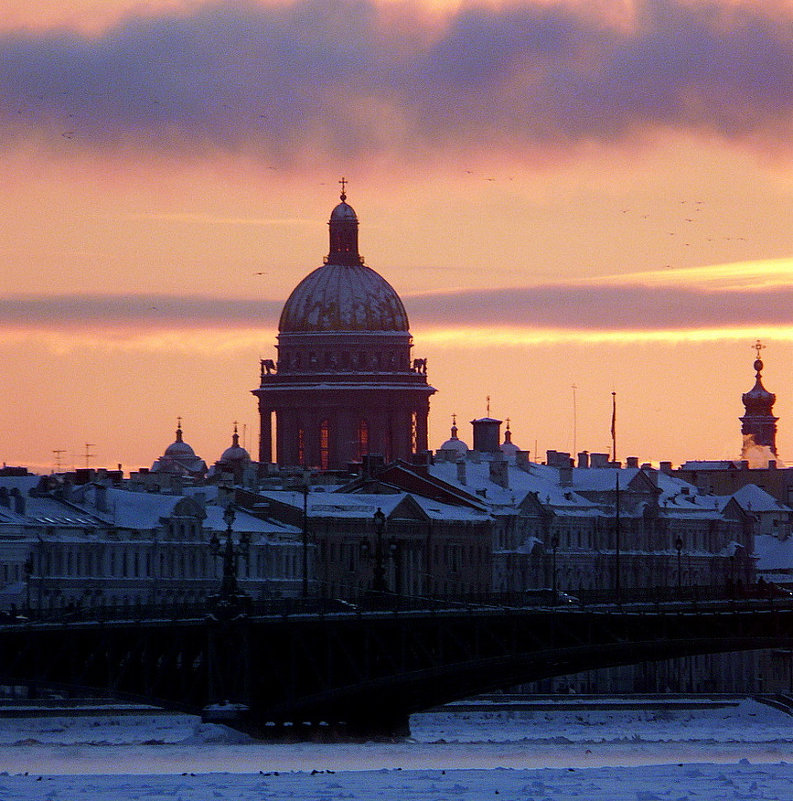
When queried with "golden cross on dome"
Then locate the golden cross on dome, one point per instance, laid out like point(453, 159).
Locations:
point(454, 419)
point(178, 422)
point(235, 426)
point(343, 183)
point(758, 346)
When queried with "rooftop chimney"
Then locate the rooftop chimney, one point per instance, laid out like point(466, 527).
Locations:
point(487, 435)
point(499, 473)
point(461, 472)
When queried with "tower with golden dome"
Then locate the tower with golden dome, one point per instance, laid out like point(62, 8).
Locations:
point(758, 425)
point(344, 384)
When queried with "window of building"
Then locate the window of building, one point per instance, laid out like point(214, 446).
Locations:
point(363, 438)
point(324, 444)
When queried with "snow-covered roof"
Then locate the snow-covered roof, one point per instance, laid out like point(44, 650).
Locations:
point(541, 481)
point(754, 499)
point(772, 553)
point(721, 464)
point(363, 505)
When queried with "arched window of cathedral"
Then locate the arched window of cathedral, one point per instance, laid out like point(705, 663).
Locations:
point(297, 361)
point(301, 446)
point(363, 438)
point(328, 359)
point(324, 444)
point(362, 358)
point(312, 359)
point(345, 360)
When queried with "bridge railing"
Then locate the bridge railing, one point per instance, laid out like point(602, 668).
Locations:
point(392, 603)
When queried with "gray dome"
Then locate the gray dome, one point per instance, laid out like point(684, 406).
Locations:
point(343, 212)
point(179, 447)
point(235, 452)
point(343, 297)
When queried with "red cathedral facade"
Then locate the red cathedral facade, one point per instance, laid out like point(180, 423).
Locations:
point(344, 384)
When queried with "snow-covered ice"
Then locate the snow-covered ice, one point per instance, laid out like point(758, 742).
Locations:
point(744, 751)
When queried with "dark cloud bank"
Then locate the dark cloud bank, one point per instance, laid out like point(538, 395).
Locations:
point(575, 308)
point(336, 77)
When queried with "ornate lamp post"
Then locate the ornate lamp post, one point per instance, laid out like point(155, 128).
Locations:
point(679, 548)
point(305, 490)
point(230, 595)
point(378, 585)
point(28, 573)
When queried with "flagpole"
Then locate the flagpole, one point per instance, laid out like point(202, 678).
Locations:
point(617, 532)
point(613, 426)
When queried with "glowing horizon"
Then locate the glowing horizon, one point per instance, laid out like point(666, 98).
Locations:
point(561, 192)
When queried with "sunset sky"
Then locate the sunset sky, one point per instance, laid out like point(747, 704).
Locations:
point(594, 193)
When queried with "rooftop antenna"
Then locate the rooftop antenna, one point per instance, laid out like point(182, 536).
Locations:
point(488, 405)
point(88, 454)
point(58, 458)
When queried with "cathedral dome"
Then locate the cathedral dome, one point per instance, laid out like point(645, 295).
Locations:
point(338, 297)
point(343, 294)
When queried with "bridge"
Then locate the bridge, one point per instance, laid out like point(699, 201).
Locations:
point(366, 671)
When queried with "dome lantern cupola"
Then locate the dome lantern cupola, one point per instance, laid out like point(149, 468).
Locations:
point(343, 233)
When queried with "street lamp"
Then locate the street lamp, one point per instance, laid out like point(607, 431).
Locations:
point(305, 489)
point(28, 573)
point(554, 546)
point(230, 595)
point(679, 548)
point(378, 585)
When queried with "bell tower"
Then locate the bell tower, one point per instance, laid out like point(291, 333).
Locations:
point(758, 425)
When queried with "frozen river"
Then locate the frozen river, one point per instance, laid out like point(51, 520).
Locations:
point(742, 751)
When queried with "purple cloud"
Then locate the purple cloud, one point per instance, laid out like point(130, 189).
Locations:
point(567, 307)
point(333, 78)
